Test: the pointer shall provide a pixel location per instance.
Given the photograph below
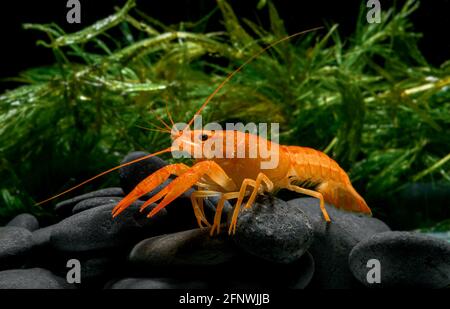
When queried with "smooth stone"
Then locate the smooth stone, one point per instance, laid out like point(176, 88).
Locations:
point(64, 208)
point(273, 231)
point(302, 272)
point(97, 269)
point(41, 237)
point(192, 247)
point(251, 272)
point(95, 229)
point(44, 255)
point(27, 221)
point(33, 278)
point(157, 283)
point(407, 260)
point(333, 243)
point(15, 245)
point(94, 202)
point(133, 174)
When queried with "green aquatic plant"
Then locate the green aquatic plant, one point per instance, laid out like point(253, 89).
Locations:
point(370, 100)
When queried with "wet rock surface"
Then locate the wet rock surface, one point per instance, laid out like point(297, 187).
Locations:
point(94, 202)
point(274, 231)
point(97, 270)
point(333, 243)
point(252, 272)
point(15, 246)
point(406, 259)
point(26, 221)
point(64, 208)
point(192, 247)
point(34, 278)
point(243, 271)
point(277, 244)
point(41, 237)
point(95, 229)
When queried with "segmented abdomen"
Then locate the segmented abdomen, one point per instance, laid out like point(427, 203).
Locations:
point(312, 166)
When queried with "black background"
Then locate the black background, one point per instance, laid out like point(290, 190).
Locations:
point(19, 50)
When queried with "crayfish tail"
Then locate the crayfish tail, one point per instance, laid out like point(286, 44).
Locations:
point(343, 196)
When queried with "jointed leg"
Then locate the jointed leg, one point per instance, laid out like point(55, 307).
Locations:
point(256, 184)
point(259, 179)
point(237, 207)
point(313, 194)
point(201, 208)
point(198, 196)
point(219, 209)
point(197, 203)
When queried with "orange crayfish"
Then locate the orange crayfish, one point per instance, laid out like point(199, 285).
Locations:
point(232, 177)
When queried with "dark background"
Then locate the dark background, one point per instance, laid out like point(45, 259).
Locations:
point(19, 51)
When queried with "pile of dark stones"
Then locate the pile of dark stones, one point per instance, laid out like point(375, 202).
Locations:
point(278, 244)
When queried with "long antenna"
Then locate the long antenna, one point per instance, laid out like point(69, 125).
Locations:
point(104, 173)
point(210, 97)
point(230, 76)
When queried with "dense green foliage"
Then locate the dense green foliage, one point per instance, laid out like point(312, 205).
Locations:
point(371, 101)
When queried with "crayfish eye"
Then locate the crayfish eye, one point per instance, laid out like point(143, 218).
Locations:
point(204, 137)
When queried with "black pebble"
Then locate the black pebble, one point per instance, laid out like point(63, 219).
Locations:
point(407, 260)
